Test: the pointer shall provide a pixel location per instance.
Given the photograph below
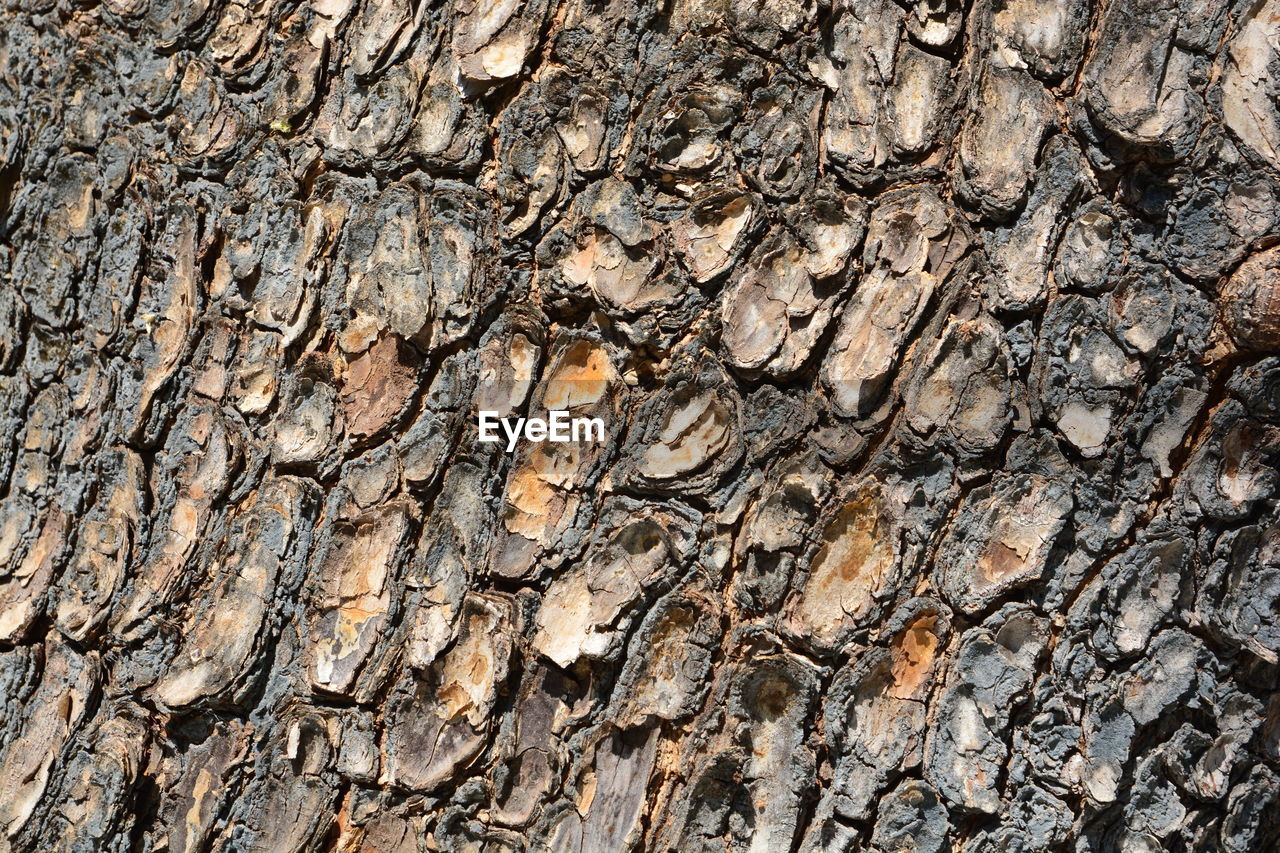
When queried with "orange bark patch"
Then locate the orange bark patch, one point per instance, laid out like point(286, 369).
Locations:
point(378, 384)
point(850, 569)
point(914, 651)
point(582, 374)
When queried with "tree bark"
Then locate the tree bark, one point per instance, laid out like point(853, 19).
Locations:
point(935, 346)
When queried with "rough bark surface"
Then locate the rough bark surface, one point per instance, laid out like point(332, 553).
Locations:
point(937, 345)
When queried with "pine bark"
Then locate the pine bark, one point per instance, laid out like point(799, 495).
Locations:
point(936, 347)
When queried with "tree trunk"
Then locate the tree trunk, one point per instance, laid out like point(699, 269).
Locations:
point(935, 506)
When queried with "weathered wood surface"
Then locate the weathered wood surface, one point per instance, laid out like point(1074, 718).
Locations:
point(938, 348)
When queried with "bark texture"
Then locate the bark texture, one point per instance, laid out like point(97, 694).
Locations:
point(938, 349)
